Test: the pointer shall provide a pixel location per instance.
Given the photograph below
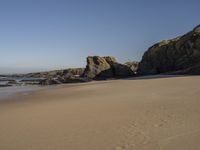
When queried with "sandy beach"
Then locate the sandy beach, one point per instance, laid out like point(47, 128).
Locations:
point(133, 114)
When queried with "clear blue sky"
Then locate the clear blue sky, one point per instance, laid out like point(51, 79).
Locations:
point(54, 34)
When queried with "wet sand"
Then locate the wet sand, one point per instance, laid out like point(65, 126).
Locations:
point(135, 114)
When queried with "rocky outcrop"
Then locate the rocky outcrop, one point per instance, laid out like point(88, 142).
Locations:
point(49, 81)
point(54, 74)
point(97, 68)
point(106, 67)
point(133, 65)
point(180, 55)
point(98, 65)
point(72, 75)
point(121, 71)
point(63, 76)
point(12, 82)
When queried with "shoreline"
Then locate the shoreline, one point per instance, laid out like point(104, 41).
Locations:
point(14, 92)
point(9, 93)
point(23, 89)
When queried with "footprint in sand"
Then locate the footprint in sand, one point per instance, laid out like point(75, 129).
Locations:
point(134, 138)
point(183, 141)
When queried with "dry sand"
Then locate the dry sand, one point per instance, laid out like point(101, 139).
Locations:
point(142, 114)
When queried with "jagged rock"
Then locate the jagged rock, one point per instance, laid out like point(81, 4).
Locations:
point(105, 67)
point(12, 82)
point(74, 71)
point(133, 65)
point(97, 65)
point(71, 75)
point(53, 74)
point(110, 60)
point(181, 53)
point(49, 81)
point(122, 71)
point(197, 29)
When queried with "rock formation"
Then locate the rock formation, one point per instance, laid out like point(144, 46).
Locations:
point(62, 76)
point(98, 65)
point(97, 68)
point(71, 75)
point(180, 55)
point(133, 65)
point(53, 74)
point(106, 67)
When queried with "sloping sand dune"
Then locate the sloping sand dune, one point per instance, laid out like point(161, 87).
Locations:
point(142, 114)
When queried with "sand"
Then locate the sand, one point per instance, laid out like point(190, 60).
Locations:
point(139, 114)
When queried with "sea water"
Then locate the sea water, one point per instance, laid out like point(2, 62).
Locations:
point(7, 92)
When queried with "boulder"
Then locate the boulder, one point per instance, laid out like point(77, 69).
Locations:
point(71, 75)
point(98, 65)
point(74, 71)
point(182, 53)
point(12, 82)
point(49, 81)
point(133, 65)
point(106, 67)
point(67, 77)
point(122, 71)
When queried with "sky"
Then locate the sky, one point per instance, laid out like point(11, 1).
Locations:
point(39, 35)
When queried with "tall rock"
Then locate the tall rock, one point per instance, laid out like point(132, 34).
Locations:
point(106, 67)
point(181, 55)
point(98, 65)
